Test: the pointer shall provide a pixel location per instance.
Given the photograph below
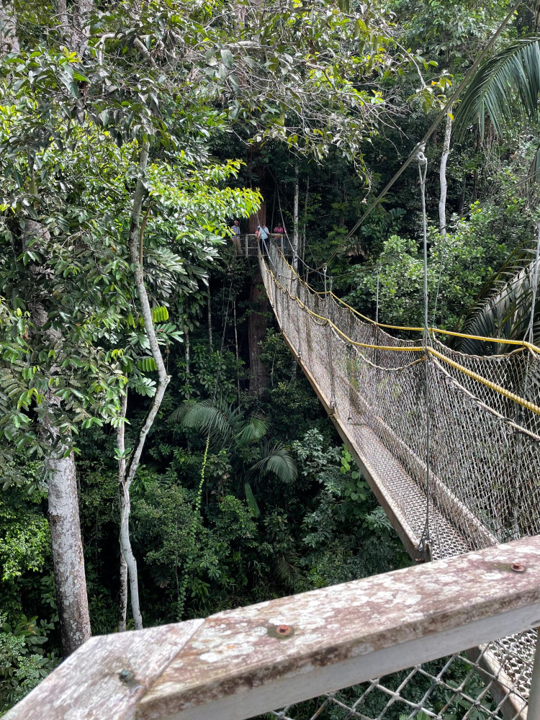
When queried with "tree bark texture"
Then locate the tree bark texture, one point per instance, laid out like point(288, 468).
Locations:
point(121, 447)
point(9, 40)
point(296, 220)
point(63, 498)
point(81, 25)
point(163, 380)
point(67, 551)
point(256, 331)
point(209, 312)
point(442, 174)
point(123, 601)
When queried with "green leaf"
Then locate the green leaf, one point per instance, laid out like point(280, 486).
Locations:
point(160, 314)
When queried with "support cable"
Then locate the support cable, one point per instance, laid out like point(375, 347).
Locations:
point(425, 540)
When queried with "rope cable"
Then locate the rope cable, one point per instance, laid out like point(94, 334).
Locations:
point(425, 541)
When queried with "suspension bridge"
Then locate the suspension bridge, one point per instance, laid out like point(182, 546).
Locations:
point(449, 442)
point(450, 445)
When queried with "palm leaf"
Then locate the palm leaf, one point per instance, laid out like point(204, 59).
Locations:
point(253, 430)
point(512, 73)
point(278, 462)
point(204, 416)
point(504, 314)
point(251, 501)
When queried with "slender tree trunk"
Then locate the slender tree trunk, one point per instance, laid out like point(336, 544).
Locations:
point(63, 16)
point(123, 603)
point(121, 447)
point(63, 497)
point(209, 307)
point(67, 550)
point(9, 40)
point(187, 349)
point(442, 173)
point(129, 557)
point(236, 350)
point(304, 230)
point(295, 220)
point(256, 331)
point(81, 25)
point(163, 380)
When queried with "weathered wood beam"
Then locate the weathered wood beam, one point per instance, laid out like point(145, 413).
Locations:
point(243, 662)
point(107, 676)
point(238, 665)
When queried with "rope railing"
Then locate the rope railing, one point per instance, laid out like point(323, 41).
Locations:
point(484, 452)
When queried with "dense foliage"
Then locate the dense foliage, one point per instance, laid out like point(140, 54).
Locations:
point(131, 135)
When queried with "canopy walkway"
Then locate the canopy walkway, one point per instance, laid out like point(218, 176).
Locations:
point(471, 480)
point(450, 445)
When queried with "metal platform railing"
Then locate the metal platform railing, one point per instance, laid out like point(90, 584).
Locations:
point(247, 244)
point(325, 654)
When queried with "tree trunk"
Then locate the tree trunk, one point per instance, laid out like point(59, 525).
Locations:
point(123, 603)
point(67, 550)
point(81, 25)
point(9, 40)
point(304, 230)
point(296, 220)
point(256, 331)
point(163, 380)
point(209, 308)
point(121, 447)
point(187, 344)
point(63, 16)
point(237, 351)
point(63, 497)
point(129, 557)
point(442, 173)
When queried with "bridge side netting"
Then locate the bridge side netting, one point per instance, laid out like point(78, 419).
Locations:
point(484, 449)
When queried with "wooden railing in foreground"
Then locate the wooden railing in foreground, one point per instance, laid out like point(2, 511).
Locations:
point(244, 662)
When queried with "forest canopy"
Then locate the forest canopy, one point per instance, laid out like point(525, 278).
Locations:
point(162, 457)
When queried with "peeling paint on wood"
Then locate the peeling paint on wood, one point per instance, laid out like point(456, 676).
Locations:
point(338, 632)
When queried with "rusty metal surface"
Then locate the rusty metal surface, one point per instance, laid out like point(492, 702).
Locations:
point(240, 650)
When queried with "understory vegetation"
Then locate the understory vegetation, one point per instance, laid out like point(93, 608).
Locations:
point(142, 370)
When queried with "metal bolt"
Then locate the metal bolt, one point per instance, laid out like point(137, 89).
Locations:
point(283, 630)
point(518, 567)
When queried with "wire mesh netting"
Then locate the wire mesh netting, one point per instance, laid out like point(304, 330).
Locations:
point(483, 457)
point(460, 686)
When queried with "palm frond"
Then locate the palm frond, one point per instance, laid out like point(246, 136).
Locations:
point(285, 569)
point(278, 462)
point(255, 428)
point(205, 416)
point(504, 314)
point(251, 501)
point(513, 72)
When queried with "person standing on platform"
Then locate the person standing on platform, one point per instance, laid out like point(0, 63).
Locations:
point(236, 234)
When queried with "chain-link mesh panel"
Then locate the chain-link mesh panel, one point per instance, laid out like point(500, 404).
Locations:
point(464, 686)
point(484, 451)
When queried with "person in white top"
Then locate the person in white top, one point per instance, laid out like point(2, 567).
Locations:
point(262, 232)
point(236, 234)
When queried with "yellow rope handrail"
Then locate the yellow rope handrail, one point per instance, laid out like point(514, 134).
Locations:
point(500, 341)
point(479, 378)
